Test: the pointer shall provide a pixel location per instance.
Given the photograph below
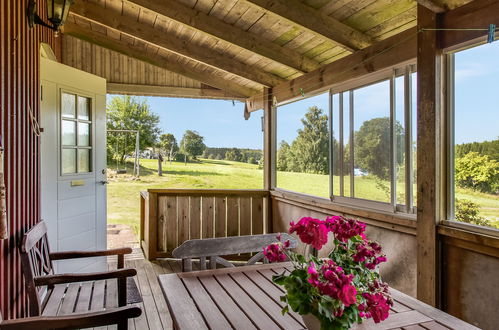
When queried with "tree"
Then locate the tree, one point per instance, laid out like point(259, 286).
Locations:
point(129, 113)
point(372, 146)
point(477, 172)
point(310, 149)
point(284, 157)
point(168, 145)
point(192, 144)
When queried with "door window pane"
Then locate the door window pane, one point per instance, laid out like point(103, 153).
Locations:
point(68, 105)
point(68, 160)
point(83, 160)
point(335, 144)
point(400, 123)
point(372, 152)
point(83, 108)
point(68, 133)
point(83, 134)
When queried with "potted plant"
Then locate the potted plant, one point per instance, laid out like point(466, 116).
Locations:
point(341, 290)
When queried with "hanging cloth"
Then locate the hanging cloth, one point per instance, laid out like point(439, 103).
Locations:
point(4, 233)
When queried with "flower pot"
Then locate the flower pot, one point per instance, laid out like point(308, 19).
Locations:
point(311, 322)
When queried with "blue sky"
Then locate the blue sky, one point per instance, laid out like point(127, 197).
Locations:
point(222, 123)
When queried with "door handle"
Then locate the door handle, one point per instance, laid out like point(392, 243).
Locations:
point(104, 182)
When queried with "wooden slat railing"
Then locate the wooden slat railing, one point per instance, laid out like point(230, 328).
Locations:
point(170, 217)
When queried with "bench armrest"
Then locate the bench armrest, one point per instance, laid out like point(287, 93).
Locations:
point(88, 254)
point(71, 278)
point(88, 320)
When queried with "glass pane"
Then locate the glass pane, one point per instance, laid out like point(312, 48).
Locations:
point(336, 144)
point(68, 133)
point(372, 142)
point(414, 138)
point(476, 136)
point(303, 146)
point(84, 160)
point(83, 108)
point(68, 161)
point(83, 134)
point(68, 105)
point(346, 145)
point(401, 129)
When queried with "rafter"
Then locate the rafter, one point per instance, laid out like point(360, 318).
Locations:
point(229, 33)
point(431, 5)
point(145, 32)
point(313, 20)
point(157, 60)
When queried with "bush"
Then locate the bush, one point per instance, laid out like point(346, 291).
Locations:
point(477, 172)
point(469, 212)
point(179, 157)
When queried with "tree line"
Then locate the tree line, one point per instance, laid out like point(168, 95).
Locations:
point(251, 156)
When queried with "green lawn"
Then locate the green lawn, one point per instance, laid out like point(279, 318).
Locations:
point(123, 190)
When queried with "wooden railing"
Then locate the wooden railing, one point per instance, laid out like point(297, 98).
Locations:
point(169, 217)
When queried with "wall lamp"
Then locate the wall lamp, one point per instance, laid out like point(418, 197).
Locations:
point(57, 12)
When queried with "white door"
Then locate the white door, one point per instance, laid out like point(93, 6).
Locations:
point(73, 162)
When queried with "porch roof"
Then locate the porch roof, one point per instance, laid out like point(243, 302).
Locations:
point(225, 48)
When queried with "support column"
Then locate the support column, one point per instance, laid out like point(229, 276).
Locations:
point(429, 89)
point(269, 140)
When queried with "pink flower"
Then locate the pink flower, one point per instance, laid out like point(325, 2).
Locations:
point(274, 253)
point(368, 252)
point(311, 231)
point(348, 295)
point(377, 306)
point(344, 228)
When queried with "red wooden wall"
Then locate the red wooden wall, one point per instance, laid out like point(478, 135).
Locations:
point(19, 76)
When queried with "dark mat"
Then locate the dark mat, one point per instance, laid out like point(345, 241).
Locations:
point(133, 295)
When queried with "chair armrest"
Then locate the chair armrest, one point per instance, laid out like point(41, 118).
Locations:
point(70, 278)
point(88, 254)
point(87, 320)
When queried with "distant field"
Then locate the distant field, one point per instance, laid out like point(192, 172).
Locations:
point(123, 190)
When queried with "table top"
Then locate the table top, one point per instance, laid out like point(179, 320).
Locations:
point(246, 298)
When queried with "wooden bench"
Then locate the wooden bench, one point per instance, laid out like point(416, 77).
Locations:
point(214, 248)
point(56, 295)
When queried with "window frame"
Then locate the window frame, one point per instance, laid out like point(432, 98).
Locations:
point(449, 145)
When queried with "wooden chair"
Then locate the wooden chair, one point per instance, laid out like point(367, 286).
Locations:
point(74, 321)
point(213, 248)
point(56, 295)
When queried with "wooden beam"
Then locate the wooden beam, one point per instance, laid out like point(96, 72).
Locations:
point(431, 5)
point(148, 33)
point(429, 87)
point(476, 14)
point(384, 54)
point(229, 33)
point(313, 20)
point(170, 91)
point(269, 141)
point(157, 60)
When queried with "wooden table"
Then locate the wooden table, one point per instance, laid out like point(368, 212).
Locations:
point(246, 298)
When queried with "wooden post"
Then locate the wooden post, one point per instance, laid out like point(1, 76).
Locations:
point(269, 152)
point(429, 87)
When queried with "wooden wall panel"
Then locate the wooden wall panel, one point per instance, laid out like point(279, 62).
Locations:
point(19, 94)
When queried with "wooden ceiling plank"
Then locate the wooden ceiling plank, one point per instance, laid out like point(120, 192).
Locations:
point(316, 22)
point(221, 30)
point(157, 60)
point(431, 5)
point(192, 50)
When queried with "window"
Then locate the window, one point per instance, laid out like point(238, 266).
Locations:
point(474, 136)
point(371, 164)
point(303, 146)
point(76, 127)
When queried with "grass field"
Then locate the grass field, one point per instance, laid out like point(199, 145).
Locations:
point(123, 190)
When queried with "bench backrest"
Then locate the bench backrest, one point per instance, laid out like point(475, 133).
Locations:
point(35, 258)
point(214, 248)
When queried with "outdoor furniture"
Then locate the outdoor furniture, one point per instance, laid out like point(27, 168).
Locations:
point(213, 248)
point(94, 319)
point(58, 295)
point(246, 298)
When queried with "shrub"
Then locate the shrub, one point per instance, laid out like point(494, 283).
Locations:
point(477, 172)
point(469, 212)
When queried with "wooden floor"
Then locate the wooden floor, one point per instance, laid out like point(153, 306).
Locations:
point(155, 314)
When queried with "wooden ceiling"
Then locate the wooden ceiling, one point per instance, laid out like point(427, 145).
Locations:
point(242, 46)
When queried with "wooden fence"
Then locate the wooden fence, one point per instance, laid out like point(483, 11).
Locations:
point(171, 216)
